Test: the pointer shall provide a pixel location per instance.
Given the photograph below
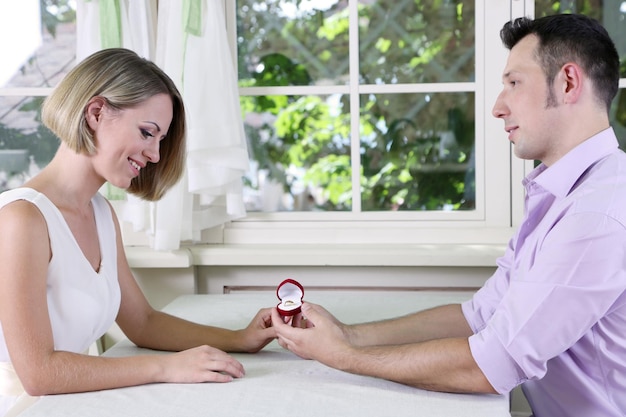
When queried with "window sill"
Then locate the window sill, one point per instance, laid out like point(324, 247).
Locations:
point(456, 255)
point(144, 257)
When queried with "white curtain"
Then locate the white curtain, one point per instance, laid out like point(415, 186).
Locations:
point(188, 40)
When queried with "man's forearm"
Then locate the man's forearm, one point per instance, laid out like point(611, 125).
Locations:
point(438, 365)
point(437, 323)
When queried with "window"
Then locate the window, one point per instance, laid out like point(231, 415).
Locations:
point(38, 52)
point(367, 120)
point(370, 120)
point(359, 106)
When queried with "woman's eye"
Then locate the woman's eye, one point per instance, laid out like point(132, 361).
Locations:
point(146, 134)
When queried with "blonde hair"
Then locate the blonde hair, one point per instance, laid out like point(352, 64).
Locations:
point(124, 80)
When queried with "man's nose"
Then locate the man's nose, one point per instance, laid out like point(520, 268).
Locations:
point(499, 108)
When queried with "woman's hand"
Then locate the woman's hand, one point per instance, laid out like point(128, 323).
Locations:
point(259, 332)
point(200, 364)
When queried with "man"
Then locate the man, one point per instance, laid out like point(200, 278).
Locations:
point(553, 315)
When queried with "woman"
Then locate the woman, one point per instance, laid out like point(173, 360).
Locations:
point(64, 277)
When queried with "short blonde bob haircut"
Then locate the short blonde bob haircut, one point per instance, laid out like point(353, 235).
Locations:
point(124, 80)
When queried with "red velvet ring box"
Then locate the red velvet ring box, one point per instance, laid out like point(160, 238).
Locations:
point(290, 293)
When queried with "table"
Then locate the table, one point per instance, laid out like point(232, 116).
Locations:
point(277, 382)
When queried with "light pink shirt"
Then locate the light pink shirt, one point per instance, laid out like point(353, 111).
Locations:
point(553, 315)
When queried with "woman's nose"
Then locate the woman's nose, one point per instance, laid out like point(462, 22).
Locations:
point(152, 152)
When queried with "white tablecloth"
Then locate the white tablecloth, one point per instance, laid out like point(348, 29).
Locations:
point(278, 383)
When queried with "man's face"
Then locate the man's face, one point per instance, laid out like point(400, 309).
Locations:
point(528, 106)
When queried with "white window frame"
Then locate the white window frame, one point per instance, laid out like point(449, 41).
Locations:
point(499, 201)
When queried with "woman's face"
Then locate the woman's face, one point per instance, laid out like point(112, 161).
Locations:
point(127, 140)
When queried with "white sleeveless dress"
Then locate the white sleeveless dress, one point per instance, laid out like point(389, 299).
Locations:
point(82, 303)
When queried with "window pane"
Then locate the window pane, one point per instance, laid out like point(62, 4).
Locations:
point(291, 42)
point(25, 144)
point(417, 151)
point(56, 54)
point(416, 42)
point(300, 152)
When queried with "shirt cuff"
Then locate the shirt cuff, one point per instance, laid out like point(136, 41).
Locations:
point(495, 362)
point(472, 317)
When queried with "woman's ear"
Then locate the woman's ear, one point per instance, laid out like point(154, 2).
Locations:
point(94, 110)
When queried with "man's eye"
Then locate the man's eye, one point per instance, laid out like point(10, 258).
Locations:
point(146, 134)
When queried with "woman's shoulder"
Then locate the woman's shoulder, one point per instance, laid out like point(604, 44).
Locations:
point(22, 202)
point(19, 215)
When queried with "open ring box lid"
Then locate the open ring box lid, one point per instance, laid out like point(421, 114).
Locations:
point(290, 294)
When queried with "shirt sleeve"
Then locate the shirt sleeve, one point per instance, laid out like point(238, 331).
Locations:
point(480, 308)
point(577, 272)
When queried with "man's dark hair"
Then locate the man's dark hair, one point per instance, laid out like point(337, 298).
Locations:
point(570, 38)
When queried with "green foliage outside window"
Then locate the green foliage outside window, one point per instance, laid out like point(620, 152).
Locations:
point(402, 165)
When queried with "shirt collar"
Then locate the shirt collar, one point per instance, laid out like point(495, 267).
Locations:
point(558, 179)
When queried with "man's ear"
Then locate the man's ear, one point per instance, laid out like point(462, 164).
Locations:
point(94, 110)
point(571, 80)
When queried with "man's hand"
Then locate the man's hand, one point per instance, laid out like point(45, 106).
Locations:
point(317, 334)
